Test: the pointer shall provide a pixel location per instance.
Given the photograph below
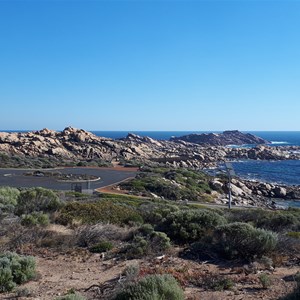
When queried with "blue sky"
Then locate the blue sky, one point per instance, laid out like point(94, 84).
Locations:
point(150, 65)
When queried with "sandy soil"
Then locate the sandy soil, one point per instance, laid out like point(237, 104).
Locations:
point(79, 269)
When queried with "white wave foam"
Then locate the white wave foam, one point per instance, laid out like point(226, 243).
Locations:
point(279, 142)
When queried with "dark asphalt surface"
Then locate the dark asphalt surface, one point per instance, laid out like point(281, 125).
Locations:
point(15, 178)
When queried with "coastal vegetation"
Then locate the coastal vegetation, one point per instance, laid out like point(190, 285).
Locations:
point(127, 227)
point(171, 184)
point(165, 235)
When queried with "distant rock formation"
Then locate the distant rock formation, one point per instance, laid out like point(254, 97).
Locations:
point(80, 145)
point(231, 137)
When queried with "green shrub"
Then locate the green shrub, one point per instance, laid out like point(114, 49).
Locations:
point(170, 184)
point(8, 198)
point(105, 211)
point(191, 225)
point(138, 248)
point(217, 282)
point(101, 247)
point(131, 272)
point(241, 240)
point(152, 287)
point(159, 242)
point(148, 242)
point(134, 219)
point(15, 269)
point(156, 212)
point(265, 280)
point(271, 220)
point(34, 219)
point(37, 199)
point(6, 279)
point(146, 229)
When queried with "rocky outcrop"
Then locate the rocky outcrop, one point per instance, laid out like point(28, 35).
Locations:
point(254, 193)
point(233, 137)
point(77, 144)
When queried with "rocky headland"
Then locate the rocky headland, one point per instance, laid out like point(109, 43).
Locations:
point(76, 144)
point(230, 137)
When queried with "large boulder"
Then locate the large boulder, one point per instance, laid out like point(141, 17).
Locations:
point(279, 192)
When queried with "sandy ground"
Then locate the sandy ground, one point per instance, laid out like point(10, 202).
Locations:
point(80, 269)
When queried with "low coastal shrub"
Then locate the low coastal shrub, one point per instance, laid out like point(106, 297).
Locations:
point(242, 240)
point(191, 225)
point(100, 247)
point(105, 211)
point(15, 269)
point(34, 219)
point(147, 241)
point(37, 199)
point(217, 282)
point(8, 198)
point(152, 287)
point(265, 280)
point(170, 184)
point(89, 235)
point(277, 221)
point(156, 212)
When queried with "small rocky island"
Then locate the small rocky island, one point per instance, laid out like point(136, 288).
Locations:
point(230, 137)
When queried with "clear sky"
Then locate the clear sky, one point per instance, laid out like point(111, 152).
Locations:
point(150, 65)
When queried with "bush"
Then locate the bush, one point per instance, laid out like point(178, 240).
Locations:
point(148, 242)
point(8, 198)
point(101, 247)
point(217, 282)
point(152, 287)
point(276, 221)
point(191, 225)
point(88, 235)
point(131, 272)
point(35, 218)
point(155, 213)
point(170, 183)
point(105, 211)
point(241, 240)
point(265, 280)
point(15, 269)
point(37, 199)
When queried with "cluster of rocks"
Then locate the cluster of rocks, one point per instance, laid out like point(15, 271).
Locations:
point(230, 137)
point(254, 193)
point(79, 144)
